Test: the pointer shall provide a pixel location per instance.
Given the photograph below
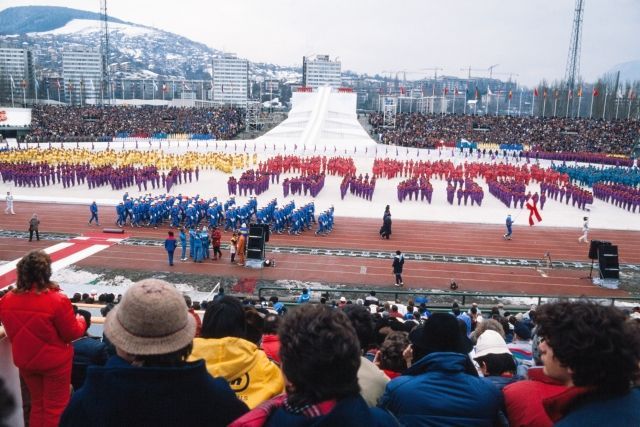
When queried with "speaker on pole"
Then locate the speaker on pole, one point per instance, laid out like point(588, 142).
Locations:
point(608, 262)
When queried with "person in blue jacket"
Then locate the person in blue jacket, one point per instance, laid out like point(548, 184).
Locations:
point(441, 385)
point(320, 356)
point(170, 246)
point(509, 224)
point(183, 244)
point(94, 213)
point(304, 297)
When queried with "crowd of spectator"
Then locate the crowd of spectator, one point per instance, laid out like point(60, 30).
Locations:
point(102, 123)
point(540, 134)
point(363, 362)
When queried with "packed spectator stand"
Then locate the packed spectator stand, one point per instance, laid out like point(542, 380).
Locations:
point(550, 134)
point(104, 123)
point(483, 364)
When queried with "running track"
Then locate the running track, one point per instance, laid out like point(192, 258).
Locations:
point(359, 234)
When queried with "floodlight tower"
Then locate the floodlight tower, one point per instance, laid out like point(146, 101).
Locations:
point(104, 46)
point(572, 72)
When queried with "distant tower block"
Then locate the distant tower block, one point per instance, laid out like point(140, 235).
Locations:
point(573, 60)
point(389, 109)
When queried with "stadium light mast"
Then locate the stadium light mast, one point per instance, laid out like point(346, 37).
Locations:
point(572, 73)
point(104, 45)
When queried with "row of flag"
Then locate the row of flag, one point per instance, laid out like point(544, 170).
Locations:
point(631, 94)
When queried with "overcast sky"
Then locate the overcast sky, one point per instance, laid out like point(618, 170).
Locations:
point(526, 37)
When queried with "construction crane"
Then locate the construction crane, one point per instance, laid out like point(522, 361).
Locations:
point(507, 74)
point(435, 71)
point(469, 70)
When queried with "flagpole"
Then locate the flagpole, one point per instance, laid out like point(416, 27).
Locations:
point(24, 96)
point(37, 86)
point(454, 102)
point(497, 104)
point(466, 92)
point(533, 101)
point(509, 105)
point(568, 102)
point(579, 104)
point(630, 100)
point(520, 102)
point(48, 99)
point(606, 94)
point(617, 105)
point(555, 104)
point(593, 95)
point(59, 91)
point(544, 105)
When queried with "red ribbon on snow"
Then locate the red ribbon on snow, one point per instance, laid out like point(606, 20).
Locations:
point(533, 211)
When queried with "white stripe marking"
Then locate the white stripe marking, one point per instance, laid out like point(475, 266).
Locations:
point(77, 256)
point(11, 265)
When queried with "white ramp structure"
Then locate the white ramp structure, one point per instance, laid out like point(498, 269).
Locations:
point(323, 120)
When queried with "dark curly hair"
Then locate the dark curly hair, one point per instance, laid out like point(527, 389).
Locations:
point(320, 354)
point(362, 322)
point(594, 341)
point(34, 272)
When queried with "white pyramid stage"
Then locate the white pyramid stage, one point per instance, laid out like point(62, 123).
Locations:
point(321, 119)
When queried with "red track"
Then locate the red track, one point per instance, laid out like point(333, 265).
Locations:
point(477, 240)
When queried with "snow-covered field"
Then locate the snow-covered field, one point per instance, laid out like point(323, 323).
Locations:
point(213, 183)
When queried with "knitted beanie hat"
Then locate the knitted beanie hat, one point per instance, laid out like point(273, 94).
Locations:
point(151, 319)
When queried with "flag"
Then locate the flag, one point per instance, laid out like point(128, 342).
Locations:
point(534, 215)
point(580, 92)
point(535, 92)
point(13, 84)
point(476, 93)
point(446, 91)
point(58, 83)
point(556, 93)
point(544, 93)
point(489, 91)
point(93, 88)
point(510, 94)
point(619, 94)
point(155, 85)
point(595, 91)
point(164, 87)
point(456, 91)
point(570, 94)
point(401, 90)
point(222, 88)
point(23, 83)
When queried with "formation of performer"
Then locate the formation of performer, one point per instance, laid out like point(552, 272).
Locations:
point(413, 187)
point(623, 196)
point(190, 212)
point(309, 185)
point(361, 186)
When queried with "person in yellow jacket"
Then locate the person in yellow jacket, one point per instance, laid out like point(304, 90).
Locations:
point(228, 354)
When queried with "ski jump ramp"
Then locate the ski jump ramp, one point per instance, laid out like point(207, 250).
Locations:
point(323, 120)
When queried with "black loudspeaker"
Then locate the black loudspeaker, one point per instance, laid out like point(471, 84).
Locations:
point(595, 245)
point(608, 262)
point(255, 242)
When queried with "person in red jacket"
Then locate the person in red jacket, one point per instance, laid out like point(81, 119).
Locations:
point(40, 323)
point(270, 341)
point(215, 242)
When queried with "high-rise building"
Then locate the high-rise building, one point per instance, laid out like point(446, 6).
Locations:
point(318, 71)
point(82, 74)
point(17, 76)
point(230, 81)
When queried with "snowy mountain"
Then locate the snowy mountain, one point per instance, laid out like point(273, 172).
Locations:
point(136, 51)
